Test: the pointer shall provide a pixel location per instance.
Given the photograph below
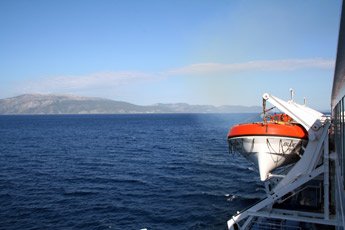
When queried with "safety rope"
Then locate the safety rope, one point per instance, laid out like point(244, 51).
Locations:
point(281, 152)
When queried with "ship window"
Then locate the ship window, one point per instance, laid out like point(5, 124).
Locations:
point(336, 124)
point(342, 157)
point(339, 134)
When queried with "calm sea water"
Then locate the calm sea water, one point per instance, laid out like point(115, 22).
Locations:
point(121, 172)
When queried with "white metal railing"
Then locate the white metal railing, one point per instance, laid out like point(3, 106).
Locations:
point(274, 225)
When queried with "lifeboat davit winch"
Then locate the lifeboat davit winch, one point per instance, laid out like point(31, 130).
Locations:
point(270, 144)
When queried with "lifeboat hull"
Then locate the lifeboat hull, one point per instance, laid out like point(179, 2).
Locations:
point(268, 146)
point(267, 152)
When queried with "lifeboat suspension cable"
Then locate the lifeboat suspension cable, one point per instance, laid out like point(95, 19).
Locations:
point(281, 153)
point(264, 110)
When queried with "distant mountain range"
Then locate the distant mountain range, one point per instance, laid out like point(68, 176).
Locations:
point(67, 104)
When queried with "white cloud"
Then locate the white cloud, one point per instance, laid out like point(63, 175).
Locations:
point(96, 83)
point(99, 81)
point(267, 65)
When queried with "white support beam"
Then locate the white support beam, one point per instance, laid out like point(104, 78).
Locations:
point(270, 200)
point(308, 161)
point(332, 222)
point(298, 213)
point(305, 116)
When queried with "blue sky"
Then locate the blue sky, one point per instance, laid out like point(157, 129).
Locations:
point(149, 51)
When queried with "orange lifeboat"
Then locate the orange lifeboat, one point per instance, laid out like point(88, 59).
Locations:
point(269, 144)
point(268, 129)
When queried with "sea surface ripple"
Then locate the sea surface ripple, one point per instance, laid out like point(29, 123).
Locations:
point(158, 171)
